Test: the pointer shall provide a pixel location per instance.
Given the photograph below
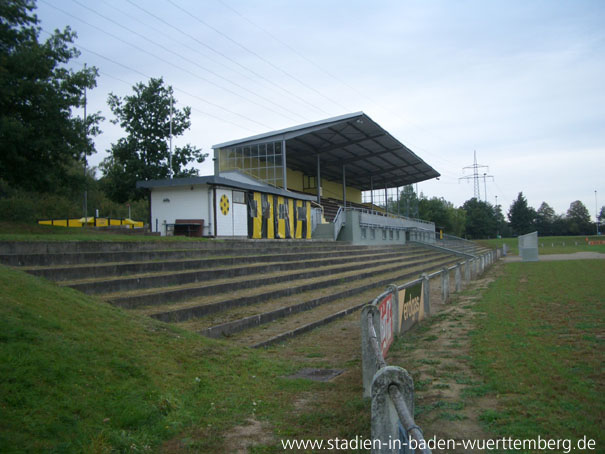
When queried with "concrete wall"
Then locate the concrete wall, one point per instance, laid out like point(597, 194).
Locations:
point(189, 202)
point(357, 234)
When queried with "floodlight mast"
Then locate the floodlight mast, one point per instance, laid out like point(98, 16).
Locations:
point(170, 154)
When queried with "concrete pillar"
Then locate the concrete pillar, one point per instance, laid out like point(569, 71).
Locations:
point(458, 277)
point(467, 271)
point(445, 285)
point(426, 294)
point(395, 292)
point(385, 420)
point(369, 363)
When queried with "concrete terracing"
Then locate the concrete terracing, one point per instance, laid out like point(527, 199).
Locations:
point(254, 292)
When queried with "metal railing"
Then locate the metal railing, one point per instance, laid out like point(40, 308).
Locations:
point(339, 221)
point(392, 388)
point(375, 218)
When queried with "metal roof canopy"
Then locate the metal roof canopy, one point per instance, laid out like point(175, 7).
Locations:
point(373, 159)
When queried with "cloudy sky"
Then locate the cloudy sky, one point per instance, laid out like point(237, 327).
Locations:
point(522, 83)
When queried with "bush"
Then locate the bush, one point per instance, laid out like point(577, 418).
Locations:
point(29, 207)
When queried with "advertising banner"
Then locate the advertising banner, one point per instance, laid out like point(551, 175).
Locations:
point(386, 323)
point(411, 306)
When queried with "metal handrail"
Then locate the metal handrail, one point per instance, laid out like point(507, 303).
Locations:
point(405, 416)
point(389, 215)
point(339, 221)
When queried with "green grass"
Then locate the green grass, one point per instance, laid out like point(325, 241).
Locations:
point(540, 349)
point(550, 244)
point(13, 231)
point(80, 376)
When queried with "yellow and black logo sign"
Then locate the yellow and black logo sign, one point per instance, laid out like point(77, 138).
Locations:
point(224, 205)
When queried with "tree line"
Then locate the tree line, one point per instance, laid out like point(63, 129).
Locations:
point(477, 219)
point(46, 146)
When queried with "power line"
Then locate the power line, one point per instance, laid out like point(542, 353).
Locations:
point(156, 56)
point(260, 76)
point(195, 63)
point(175, 88)
point(237, 43)
point(344, 83)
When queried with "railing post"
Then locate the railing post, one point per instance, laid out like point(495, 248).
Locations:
point(458, 277)
point(385, 420)
point(426, 294)
point(369, 362)
point(395, 308)
point(445, 285)
point(467, 271)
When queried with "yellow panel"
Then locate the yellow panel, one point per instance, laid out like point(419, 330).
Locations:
point(74, 223)
point(271, 220)
point(60, 222)
point(257, 222)
point(115, 222)
point(45, 222)
point(309, 224)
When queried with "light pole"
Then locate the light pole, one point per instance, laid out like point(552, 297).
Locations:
point(596, 211)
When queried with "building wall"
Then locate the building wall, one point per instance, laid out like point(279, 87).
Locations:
point(190, 202)
point(331, 189)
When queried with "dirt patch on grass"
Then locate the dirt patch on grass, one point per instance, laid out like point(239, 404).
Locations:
point(239, 439)
point(449, 396)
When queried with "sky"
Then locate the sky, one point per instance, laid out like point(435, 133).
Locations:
point(520, 83)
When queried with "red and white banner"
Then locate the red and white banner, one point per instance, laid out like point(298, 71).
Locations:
point(386, 323)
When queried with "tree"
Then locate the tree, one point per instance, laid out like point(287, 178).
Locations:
point(40, 137)
point(521, 216)
point(481, 219)
point(502, 227)
point(144, 153)
point(578, 218)
point(601, 216)
point(545, 219)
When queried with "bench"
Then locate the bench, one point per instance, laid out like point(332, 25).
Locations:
point(188, 227)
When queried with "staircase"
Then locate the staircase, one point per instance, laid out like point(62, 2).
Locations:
point(255, 293)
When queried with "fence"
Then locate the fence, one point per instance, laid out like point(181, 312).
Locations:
point(391, 388)
point(93, 222)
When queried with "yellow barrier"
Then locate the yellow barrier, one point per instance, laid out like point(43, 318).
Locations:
point(93, 222)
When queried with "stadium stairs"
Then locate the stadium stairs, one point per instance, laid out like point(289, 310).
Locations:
point(253, 292)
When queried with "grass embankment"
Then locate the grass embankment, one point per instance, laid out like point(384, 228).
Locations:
point(551, 244)
point(78, 375)
point(540, 347)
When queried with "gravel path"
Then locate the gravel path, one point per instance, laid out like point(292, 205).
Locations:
point(558, 257)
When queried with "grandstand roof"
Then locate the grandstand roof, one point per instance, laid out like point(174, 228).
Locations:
point(373, 158)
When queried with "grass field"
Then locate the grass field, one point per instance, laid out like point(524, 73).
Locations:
point(11, 231)
point(551, 244)
point(540, 346)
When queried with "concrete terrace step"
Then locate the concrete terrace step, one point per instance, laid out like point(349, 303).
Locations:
point(171, 294)
point(177, 252)
point(232, 321)
point(65, 247)
point(155, 280)
point(287, 327)
point(106, 270)
point(195, 308)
